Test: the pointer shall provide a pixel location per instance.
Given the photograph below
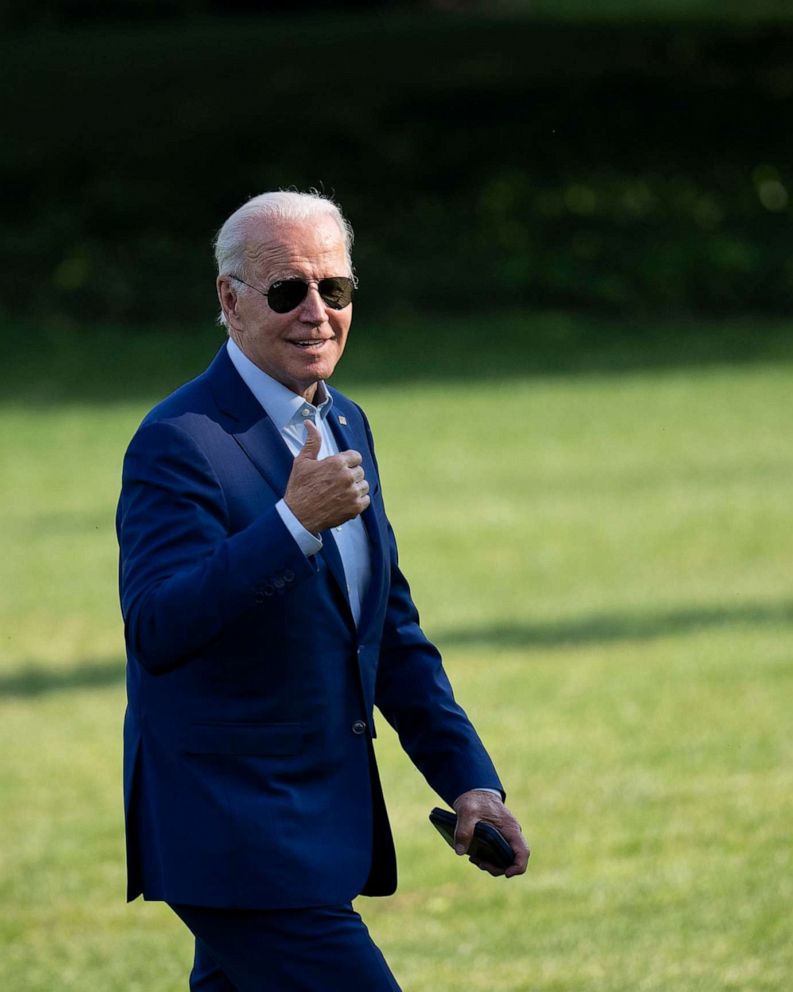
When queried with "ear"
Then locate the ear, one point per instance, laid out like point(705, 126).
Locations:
point(227, 295)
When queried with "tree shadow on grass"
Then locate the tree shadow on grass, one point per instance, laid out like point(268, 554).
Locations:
point(36, 680)
point(614, 627)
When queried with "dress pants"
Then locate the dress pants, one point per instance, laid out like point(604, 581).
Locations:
point(319, 949)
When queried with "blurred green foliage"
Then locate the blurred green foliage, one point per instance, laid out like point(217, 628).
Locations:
point(626, 167)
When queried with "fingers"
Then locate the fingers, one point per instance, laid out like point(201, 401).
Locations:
point(351, 458)
point(520, 849)
point(363, 500)
point(486, 866)
point(519, 865)
point(513, 835)
point(310, 449)
point(350, 470)
point(350, 461)
point(478, 805)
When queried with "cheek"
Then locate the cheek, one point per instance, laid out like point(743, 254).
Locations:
point(273, 340)
point(341, 329)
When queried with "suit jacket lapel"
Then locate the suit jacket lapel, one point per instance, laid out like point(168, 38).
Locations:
point(330, 552)
point(252, 428)
point(349, 436)
point(261, 441)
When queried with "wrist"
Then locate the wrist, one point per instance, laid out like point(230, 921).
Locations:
point(304, 519)
point(484, 791)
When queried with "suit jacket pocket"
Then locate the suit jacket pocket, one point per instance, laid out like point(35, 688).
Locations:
point(242, 738)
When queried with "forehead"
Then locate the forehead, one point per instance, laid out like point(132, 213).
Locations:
point(309, 248)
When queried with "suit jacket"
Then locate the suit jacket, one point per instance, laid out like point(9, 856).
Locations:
point(249, 772)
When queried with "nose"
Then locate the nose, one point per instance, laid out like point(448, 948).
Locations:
point(312, 309)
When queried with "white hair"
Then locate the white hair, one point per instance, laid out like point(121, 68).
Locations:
point(233, 239)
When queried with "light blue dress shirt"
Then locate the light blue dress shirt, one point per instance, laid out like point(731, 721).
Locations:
point(288, 411)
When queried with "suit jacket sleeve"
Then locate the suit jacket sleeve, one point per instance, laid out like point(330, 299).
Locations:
point(183, 575)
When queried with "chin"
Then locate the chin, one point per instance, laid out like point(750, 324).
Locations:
point(323, 369)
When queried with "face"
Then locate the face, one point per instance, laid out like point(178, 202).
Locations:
point(303, 346)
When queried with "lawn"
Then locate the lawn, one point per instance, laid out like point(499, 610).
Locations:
point(600, 540)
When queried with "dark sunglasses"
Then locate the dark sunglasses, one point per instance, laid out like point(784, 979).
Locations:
point(286, 294)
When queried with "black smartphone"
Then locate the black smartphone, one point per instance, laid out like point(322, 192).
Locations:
point(488, 843)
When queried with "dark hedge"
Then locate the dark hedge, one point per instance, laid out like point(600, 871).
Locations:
point(621, 168)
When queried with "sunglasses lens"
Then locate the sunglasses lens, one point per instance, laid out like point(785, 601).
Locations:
point(287, 294)
point(336, 292)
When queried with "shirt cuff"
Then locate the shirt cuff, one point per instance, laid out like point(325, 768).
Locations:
point(308, 543)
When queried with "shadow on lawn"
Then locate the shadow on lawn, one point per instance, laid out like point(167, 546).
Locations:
point(36, 680)
point(617, 627)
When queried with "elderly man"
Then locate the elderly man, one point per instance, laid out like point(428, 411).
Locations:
point(265, 617)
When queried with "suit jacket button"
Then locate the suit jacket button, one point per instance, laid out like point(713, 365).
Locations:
point(358, 727)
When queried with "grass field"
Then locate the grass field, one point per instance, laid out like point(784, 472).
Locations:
point(602, 546)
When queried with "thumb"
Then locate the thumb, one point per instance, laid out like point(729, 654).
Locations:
point(313, 443)
point(464, 832)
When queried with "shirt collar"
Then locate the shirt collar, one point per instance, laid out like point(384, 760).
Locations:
point(280, 404)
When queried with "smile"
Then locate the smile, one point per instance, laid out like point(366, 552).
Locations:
point(314, 344)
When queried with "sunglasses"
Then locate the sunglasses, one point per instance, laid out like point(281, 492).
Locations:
point(286, 294)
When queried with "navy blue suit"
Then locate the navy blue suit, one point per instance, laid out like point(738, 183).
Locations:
point(249, 772)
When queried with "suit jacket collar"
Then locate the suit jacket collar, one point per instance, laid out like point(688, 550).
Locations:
point(261, 441)
point(250, 426)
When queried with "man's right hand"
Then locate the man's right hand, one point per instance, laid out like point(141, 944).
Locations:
point(325, 493)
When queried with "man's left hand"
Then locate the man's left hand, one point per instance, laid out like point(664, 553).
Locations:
point(476, 805)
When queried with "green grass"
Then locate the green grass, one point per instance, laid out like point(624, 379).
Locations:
point(601, 545)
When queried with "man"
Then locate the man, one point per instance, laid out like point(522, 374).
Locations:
point(265, 616)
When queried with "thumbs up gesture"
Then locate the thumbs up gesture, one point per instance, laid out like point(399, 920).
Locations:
point(325, 492)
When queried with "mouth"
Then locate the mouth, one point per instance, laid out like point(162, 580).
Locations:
point(311, 345)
